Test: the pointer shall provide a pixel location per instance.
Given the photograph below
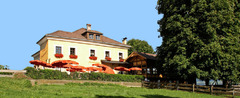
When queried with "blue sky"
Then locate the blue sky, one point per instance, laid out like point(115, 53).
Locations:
point(24, 22)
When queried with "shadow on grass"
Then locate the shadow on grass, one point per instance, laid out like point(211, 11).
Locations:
point(146, 96)
point(104, 96)
point(157, 96)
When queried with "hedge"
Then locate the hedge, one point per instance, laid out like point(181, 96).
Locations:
point(54, 74)
point(46, 74)
point(108, 77)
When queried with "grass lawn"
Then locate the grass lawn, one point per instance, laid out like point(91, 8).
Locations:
point(13, 88)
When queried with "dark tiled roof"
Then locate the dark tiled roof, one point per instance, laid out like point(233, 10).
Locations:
point(148, 55)
point(78, 34)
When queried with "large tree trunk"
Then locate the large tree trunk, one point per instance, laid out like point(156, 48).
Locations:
point(225, 83)
point(207, 82)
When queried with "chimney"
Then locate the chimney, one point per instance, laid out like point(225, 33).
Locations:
point(124, 41)
point(88, 27)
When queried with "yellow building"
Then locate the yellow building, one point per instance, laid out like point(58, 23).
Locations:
point(83, 44)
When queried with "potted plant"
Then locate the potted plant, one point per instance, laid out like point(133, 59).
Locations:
point(108, 58)
point(73, 56)
point(93, 58)
point(59, 55)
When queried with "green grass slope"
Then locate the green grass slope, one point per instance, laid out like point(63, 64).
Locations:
point(21, 88)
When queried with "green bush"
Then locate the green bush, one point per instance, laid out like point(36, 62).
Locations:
point(108, 77)
point(6, 73)
point(54, 74)
point(46, 74)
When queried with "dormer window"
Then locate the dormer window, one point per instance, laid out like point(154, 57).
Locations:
point(90, 36)
point(97, 37)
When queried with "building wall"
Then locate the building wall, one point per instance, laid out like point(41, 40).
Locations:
point(44, 52)
point(83, 52)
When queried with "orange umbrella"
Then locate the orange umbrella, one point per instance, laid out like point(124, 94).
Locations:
point(63, 62)
point(71, 70)
point(67, 66)
point(136, 68)
point(121, 69)
point(109, 71)
point(42, 63)
point(93, 69)
point(78, 67)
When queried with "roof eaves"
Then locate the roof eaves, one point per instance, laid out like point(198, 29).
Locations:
point(36, 53)
point(89, 40)
point(41, 39)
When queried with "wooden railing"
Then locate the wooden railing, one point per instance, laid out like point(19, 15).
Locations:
point(235, 90)
point(11, 71)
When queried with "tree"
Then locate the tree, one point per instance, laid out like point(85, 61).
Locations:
point(200, 39)
point(1, 67)
point(139, 46)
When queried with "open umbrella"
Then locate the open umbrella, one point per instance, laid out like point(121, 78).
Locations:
point(71, 70)
point(121, 69)
point(93, 69)
point(78, 67)
point(135, 68)
point(42, 63)
point(67, 66)
point(106, 69)
point(60, 63)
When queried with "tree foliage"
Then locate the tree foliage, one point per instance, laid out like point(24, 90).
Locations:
point(139, 46)
point(200, 38)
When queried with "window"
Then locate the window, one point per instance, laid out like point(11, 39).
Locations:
point(90, 36)
point(92, 52)
point(107, 54)
point(97, 37)
point(58, 50)
point(72, 51)
point(148, 71)
point(154, 70)
point(120, 55)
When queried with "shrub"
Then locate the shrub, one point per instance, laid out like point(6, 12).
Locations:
point(46, 74)
point(55, 74)
point(108, 77)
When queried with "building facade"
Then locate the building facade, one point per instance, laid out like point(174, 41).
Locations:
point(80, 46)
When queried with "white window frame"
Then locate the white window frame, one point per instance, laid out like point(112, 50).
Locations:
point(56, 48)
point(70, 49)
point(92, 36)
point(90, 52)
point(122, 55)
point(99, 37)
point(105, 53)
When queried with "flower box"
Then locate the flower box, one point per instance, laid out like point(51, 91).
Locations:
point(93, 58)
point(58, 55)
point(108, 58)
point(73, 56)
point(121, 60)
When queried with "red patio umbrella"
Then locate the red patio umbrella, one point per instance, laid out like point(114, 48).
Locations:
point(135, 68)
point(78, 67)
point(71, 70)
point(60, 63)
point(121, 69)
point(67, 66)
point(93, 69)
point(109, 71)
point(42, 63)
point(106, 69)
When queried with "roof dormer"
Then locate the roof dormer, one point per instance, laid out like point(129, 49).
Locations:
point(92, 34)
